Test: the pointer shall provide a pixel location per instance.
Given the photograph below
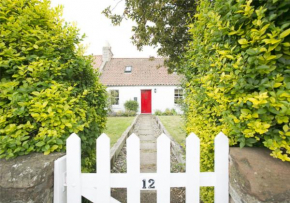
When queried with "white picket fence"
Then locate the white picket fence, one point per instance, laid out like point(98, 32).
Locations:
point(97, 186)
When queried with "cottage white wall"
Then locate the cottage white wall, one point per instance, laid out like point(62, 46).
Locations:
point(162, 99)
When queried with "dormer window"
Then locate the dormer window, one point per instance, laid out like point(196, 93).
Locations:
point(128, 69)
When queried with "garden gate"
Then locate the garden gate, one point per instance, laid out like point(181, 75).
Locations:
point(71, 184)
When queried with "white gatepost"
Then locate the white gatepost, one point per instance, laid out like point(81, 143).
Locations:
point(192, 168)
point(221, 168)
point(133, 169)
point(163, 169)
point(73, 160)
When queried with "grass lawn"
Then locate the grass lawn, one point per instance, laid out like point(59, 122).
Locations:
point(175, 126)
point(116, 126)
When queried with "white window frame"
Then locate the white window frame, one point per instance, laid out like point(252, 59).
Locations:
point(178, 96)
point(116, 97)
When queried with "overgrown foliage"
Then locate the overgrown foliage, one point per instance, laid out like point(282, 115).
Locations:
point(162, 24)
point(48, 89)
point(238, 76)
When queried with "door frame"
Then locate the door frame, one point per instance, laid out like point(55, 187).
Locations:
point(141, 101)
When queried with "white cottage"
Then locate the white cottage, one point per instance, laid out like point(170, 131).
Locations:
point(144, 80)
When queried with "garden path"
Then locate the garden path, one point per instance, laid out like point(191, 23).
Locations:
point(147, 130)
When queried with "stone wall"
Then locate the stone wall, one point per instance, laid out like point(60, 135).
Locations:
point(257, 177)
point(27, 179)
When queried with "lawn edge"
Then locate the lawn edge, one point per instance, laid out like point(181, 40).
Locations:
point(176, 148)
point(115, 150)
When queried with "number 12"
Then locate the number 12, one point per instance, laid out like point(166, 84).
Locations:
point(151, 183)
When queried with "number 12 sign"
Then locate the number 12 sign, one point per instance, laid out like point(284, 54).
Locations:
point(148, 184)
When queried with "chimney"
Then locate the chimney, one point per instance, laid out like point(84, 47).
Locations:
point(107, 53)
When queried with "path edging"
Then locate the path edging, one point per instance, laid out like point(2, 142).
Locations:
point(177, 150)
point(115, 150)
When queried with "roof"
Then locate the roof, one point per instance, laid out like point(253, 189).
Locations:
point(97, 61)
point(145, 71)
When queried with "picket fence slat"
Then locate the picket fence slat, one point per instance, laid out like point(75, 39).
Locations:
point(221, 144)
point(73, 162)
point(192, 168)
point(96, 187)
point(103, 193)
point(163, 169)
point(133, 169)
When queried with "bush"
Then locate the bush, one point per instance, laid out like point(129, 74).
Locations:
point(173, 112)
point(158, 113)
point(167, 112)
point(131, 105)
point(48, 89)
point(238, 81)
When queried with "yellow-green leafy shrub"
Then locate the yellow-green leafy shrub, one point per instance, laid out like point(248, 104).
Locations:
point(48, 89)
point(238, 76)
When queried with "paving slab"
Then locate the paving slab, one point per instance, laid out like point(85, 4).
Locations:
point(147, 137)
point(145, 131)
point(148, 158)
point(148, 146)
point(148, 168)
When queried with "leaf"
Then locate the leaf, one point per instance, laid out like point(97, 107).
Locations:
point(263, 67)
point(285, 33)
point(251, 51)
point(243, 41)
point(230, 57)
point(242, 144)
point(35, 46)
point(53, 148)
point(40, 144)
point(59, 142)
point(68, 125)
point(285, 128)
point(251, 140)
point(245, 111)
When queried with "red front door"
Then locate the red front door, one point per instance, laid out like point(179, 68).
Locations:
point(145, 101)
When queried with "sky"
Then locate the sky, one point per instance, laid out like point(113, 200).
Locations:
point(98, 29)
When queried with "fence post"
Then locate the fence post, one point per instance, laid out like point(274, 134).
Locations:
point(163, 169)
point(73, 161)
point(103, 193)
point(221, 168)
point(192, 168)
point(133, 169)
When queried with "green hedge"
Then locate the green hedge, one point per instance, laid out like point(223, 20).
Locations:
point(238, 76)
point(48, 89)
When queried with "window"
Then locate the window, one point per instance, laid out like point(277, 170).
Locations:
point(128, 69)
point(178, 96)
point(114, 97)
